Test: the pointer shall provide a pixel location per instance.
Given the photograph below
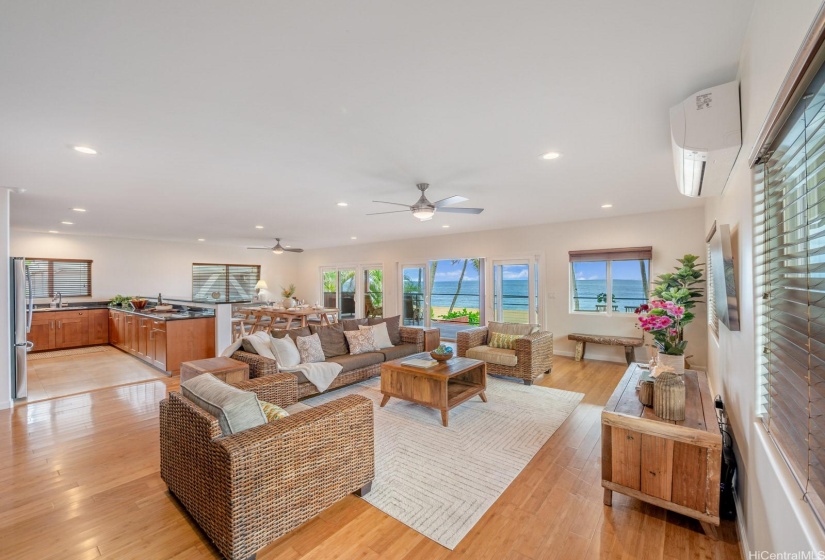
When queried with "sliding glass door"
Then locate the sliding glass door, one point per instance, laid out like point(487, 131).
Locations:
point(373, 283)
point(456, 295)
point(339, 290)
point(414, 280)
point(515, 291)
point(341, 287)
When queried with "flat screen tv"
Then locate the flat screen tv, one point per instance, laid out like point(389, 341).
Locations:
point(724, 279)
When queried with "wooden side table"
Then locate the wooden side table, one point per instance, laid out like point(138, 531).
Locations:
point(674, 465)
point(225, 369)
point(432, 338)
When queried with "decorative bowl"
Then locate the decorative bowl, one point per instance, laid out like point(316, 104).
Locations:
point(139, 303)
point(441, 357)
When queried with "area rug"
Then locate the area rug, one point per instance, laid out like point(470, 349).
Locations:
point(72, 352)
point(440, 481)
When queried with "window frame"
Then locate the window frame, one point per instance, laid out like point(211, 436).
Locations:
point(608, 256)
point(50, 270)
point(226, 291)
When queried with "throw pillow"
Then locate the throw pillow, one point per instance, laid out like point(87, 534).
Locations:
point(273, 411)
point(353, 324)
point(286, 352)
point(333, 341)
point(393, 327)
point(379, 332)
point(294, 333)
point(235, 409)
point(361, 341)
point(505, 341)
point(258, 343)
point(309, 347)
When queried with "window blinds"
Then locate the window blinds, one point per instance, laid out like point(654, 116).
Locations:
point(626, 254)
point(224, 282)
point(790, 263)
point(70, 278)
point(713, 319)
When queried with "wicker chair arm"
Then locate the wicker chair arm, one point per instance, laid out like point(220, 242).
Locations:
point(280, 388)
point(258, 365)
point(533, 343)
point(469, 338)
point(412, 335)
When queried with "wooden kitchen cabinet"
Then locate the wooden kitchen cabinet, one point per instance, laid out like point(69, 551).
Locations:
point(116, 334)
point(42, 332)
point(157, 344)
point(143, 336)
point(98, 326)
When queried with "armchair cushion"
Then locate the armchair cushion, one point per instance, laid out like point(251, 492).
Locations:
point(501, 340)
point(512, 328)
point(235, 409)
point(500, 356)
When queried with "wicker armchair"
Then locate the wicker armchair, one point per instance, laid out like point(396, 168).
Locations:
point(534, 353)
point(247, 489)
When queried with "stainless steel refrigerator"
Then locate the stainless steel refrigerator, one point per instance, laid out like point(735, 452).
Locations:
point(21, 322)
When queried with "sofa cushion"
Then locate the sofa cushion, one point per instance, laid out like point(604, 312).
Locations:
point(294, 333)
point(358, 361)
point(400, 351)
point(512, 328)
point(309, 347)
point(393, 327)
point(333, 341)
point(286, 352)
point(380, 334)
point(235, 409)
point(258, 343)
point(499, 356)
point(353, 324)
point(361, 341)
point(501, 340)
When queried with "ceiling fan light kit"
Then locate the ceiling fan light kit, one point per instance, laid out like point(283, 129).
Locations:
point(279, 249)
point(424, 210)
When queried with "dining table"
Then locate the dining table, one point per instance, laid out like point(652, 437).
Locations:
point(326, 315)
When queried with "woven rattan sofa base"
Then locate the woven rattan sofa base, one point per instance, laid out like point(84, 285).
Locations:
point(247, 489)
point(534, 353)
point(260, 366)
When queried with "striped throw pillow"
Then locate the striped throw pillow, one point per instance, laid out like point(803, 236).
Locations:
point(504, 341)
point(273, 411)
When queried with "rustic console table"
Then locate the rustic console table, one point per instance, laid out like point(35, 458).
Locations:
point(674, 465)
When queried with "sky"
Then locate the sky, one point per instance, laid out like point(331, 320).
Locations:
point(622, 270)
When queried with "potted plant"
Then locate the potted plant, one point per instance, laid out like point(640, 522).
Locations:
point(669, 311)
point(287, 293)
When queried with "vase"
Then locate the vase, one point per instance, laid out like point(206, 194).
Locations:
point(287, 303)
point(669, 396)
point(675, 362)
point(646, 393)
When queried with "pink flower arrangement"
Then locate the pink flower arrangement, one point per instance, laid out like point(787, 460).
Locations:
point(665, 321)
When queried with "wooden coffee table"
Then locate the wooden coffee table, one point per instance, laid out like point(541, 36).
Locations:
point(225, 369)
point(443, 386)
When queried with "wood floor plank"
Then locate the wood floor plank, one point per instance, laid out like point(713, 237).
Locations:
point(81, 481)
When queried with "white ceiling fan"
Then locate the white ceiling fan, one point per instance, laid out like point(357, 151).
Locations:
point(425, 210)
point(278, 248)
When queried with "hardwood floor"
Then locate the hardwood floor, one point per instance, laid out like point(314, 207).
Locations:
point(80, 480)
point(49, 378)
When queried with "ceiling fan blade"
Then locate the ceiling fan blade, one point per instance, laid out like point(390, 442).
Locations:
point(390, 212)
point(263, 248)
point(462, 210)
point(294, 250)
point(395, 203)
point(449, 200)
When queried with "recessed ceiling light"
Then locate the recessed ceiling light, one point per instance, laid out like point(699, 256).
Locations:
point(607, 206)
point(85, 150)
point(201, 239)
point(353, 237)
point(67, 223)
point(259, 227)
point(551, 155)
point(53, 231)
point(79, 209)
point(343, 204)
point(445, 226)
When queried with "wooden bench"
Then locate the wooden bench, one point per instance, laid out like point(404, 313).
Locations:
point(629, 343)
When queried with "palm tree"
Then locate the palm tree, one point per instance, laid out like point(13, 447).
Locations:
point(476, 265)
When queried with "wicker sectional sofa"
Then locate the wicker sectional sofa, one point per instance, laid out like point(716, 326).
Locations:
point(355, 367)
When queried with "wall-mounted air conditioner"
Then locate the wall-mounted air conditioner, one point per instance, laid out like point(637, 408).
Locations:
point(706, 131)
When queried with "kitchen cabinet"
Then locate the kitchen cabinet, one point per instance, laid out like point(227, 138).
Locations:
point(42, 332)
point(72, 329)
point(98, 326)
point(163, 344)
point(68, 329)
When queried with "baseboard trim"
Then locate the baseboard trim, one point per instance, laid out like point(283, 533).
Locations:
point(744, 543)
point(6, 404)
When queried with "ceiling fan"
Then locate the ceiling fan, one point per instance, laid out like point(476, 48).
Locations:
point(425, 210)
point(278, 248)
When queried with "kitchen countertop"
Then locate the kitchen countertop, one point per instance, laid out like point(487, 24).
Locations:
point(173, 315)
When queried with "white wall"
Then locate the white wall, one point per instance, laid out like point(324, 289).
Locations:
point(6, 336)
point(772, 513)
point(140, 267)
point(672, 234)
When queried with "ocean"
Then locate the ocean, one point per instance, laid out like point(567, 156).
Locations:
point(627, 293)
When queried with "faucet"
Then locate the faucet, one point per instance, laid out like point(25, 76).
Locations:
point(59, 297)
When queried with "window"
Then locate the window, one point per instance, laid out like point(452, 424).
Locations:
point(609, 280)
point(224, 282)
point(790, 265)
point(69, 278)
point(373, 292)
point(338, 287)
point(515, 286)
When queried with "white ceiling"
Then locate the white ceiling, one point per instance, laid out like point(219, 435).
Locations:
point(213, 116)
